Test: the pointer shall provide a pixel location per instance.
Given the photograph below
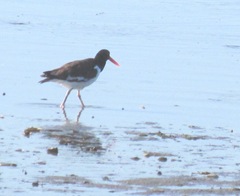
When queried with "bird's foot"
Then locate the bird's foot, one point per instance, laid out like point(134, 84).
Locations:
point(62, 106)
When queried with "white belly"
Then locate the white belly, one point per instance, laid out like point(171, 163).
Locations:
point(75, 85)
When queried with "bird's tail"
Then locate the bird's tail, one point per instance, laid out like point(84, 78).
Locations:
point(47, 76)
point(44, 80)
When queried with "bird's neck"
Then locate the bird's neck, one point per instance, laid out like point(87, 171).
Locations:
point(100, 64)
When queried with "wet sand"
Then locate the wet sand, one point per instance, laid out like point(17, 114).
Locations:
point(164, 123)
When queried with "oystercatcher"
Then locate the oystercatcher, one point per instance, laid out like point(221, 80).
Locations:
point(78, 74)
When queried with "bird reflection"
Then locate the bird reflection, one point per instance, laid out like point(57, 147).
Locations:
point(78, 116)
point(75, 135)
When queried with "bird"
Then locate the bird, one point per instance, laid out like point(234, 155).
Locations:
point(78, 74)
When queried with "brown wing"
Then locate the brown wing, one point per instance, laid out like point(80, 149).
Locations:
point(82, 68)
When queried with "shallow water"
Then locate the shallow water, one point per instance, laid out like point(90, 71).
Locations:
point(165, 122)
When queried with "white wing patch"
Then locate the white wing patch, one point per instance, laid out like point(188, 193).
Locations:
point(75, 79)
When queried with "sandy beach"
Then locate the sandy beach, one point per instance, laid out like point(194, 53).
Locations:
point(166, 122)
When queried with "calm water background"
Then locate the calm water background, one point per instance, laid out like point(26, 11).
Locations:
point(179, 68)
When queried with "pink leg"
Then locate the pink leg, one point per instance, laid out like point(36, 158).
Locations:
point(79, 96)
point(65, 98)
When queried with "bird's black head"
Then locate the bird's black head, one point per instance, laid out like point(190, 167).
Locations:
point(102, 56)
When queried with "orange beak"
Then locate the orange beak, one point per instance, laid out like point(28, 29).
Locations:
point(113, 61)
